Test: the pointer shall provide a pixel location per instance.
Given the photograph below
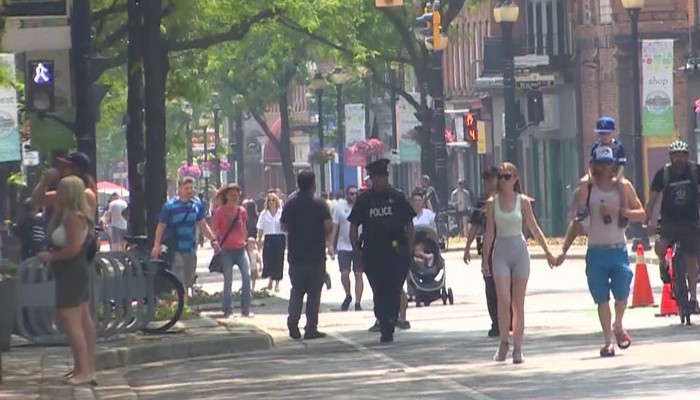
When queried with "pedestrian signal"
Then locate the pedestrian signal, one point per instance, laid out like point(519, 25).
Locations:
point(470, 128)
point(40, 86)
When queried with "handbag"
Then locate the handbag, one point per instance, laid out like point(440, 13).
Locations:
point(215, 264)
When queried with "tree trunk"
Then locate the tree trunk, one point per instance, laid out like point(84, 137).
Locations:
point(284, 147)
point(134, 123)
point(155, 62)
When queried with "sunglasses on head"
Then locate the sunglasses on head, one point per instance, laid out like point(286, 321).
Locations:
point(505, 177)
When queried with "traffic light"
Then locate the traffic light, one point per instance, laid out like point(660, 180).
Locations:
point(40, 86)
point(535, 108)
point(436, 27)
point(470, 128)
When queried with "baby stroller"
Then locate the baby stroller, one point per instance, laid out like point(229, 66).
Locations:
point(427, 275)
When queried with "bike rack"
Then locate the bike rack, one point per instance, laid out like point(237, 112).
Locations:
point(122, 298)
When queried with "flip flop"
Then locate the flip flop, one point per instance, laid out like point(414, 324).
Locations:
point(623, 339)
point(607, 351)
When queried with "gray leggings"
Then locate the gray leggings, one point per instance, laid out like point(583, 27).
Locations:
point(510, 257)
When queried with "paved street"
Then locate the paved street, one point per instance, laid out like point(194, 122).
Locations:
point(446, 354)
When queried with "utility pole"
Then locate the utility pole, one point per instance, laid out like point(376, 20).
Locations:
point(84, 108)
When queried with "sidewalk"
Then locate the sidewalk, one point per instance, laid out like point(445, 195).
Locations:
point(37, 372)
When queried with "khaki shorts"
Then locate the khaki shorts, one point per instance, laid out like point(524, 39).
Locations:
point(184, 267)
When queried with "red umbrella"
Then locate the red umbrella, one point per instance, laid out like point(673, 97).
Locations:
point(104, 185)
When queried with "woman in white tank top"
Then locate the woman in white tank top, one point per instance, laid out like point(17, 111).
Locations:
point(510, 262)
point(607, 263)
point(69, 227)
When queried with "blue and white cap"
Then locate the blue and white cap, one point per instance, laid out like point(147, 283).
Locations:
point(605, 125)
point(603, 155)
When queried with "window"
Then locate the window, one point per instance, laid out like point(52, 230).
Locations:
point(605, 12)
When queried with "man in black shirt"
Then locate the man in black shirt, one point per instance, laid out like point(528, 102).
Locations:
point(477, 230)
point(678, 182)
point(308, 224)
point(386, 218)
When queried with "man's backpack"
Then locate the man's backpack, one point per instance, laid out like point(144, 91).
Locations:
point(667, 174)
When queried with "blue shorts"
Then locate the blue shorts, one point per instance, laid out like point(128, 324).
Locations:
point(347, 261)
point(608, 269)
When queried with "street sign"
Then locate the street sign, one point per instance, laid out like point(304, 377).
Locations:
point(481, 142)
point(388, 3)
point(30, 158)
point(534, 81)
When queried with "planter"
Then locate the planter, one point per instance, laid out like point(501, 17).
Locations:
point(8, 304)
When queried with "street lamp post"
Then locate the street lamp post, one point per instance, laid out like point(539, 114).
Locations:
point(204, 122)
point(633, 8)
point(318, 84)
point(394, 68)
point(236, 138)
point(339, 78)
point(437, 43)
point(188, 111)
point(216, 108)
point(506, 14)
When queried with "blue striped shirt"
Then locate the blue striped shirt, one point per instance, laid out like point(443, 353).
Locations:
point(180, 231)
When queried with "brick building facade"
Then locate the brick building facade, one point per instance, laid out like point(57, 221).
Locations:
point(604, 61)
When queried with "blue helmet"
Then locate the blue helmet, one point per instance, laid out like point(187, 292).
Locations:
point(605, 125)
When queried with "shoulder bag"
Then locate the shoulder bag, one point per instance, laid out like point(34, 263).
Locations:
point(215, 264)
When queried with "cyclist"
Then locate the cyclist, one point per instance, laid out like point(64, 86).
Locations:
point(678, 182)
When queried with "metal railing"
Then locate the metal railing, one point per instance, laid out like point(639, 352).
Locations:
point(122, 298)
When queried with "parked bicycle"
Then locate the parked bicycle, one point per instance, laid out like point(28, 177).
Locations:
point(447, 225)
point(169, 291)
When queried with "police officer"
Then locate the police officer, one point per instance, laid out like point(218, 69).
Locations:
point(387, 242)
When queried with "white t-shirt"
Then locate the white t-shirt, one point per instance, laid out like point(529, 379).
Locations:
point(425, 218)
point(115, 213)
point(270, 224)
point(341, 211)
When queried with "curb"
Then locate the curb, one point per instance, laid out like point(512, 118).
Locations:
point(121, 357)
point(168, 350)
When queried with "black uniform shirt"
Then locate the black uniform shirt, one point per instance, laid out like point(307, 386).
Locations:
point(383, 218)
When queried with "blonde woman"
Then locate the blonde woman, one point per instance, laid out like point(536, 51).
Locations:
point(510, 263)
point(70, 228)
point(270, 231)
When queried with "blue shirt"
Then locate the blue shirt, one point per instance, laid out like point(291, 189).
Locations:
point(180, 219)
point(617, 148)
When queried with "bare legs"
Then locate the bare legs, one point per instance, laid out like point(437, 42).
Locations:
point(505, 302)
point(605, 317)
point(80, 331)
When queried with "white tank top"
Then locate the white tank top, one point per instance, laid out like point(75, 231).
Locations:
point(600, 233)
point(508, 224)
point(58, 236)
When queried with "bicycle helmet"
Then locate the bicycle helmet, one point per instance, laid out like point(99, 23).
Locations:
point(678, 146)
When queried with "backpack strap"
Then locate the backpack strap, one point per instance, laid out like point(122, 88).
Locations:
point(588, 197)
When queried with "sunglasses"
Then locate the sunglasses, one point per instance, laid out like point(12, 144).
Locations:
point(505, 177)
point(352, 194)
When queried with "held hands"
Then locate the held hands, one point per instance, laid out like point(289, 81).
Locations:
point(551, 260)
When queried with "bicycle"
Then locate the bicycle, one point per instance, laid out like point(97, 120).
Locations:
point(168, 290)
point(447, 226)
point(675, 268)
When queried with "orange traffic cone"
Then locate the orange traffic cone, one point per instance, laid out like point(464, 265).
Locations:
point(642, 295)
point(668, 304)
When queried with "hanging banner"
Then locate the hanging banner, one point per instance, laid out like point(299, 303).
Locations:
point(657, 87)
point(408, 144)
point(9, 134)
point(354, 132)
